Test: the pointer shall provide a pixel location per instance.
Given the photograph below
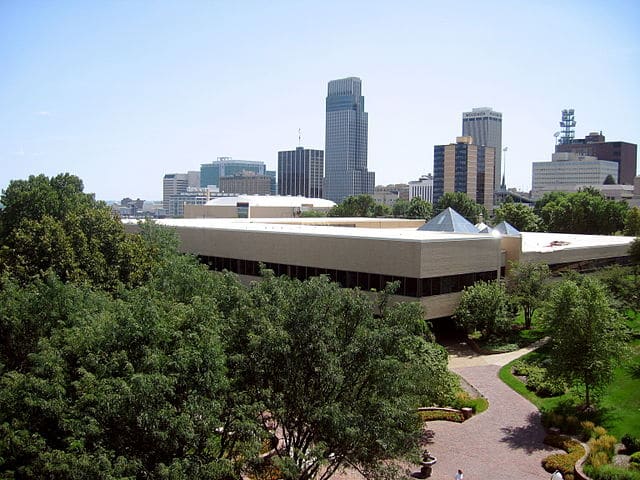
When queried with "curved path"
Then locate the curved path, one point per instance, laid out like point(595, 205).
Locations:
point(503, 443)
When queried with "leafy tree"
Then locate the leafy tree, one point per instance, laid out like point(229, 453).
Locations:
point(419, 208)
point(587, 335)
point(526, 283)
point(520, 215)
point(484, 307)
point(632, 222)
point(50, 225)
point(583, 212)
point(381, 210)
point(462, 204)
point(340, 385)
point(135, 387)
point(400, 207)
point(609, 180)
point(634, 255)
point(359, 206)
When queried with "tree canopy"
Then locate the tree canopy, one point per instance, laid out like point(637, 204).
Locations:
point(583, 212)
point(526, 282)
point(484, 307)
point(520, 215)
point(48, 225)
point(359, 206)
point(462, 204)
point(185, 373)
point(632, 222)
point(587, 335)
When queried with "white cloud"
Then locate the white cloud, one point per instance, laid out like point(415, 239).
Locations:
point(43, 113)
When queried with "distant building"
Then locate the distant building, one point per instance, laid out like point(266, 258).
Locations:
point(567, 171)
point(246, 183)
point(422, 188)
point(210, 173)
point(594, 145)
point(464, 167)
point(346, 140)
point(274, 183)
point(258, 206)
point(301, 172)
point(389, 194)
point(176, 184)
point(485, 126)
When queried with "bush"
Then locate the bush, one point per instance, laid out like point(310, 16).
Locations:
point(431, 415)
point(587, 429)
point(602, 450)
point(599, 432)
point(463, 399)
point(631, 443)
point(634, 461)
point(564, 462)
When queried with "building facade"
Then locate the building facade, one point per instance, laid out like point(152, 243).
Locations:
point(346, 141)
point(422, 188)
point(464, 167)
point(301, 172)
point(210, 173)
point(246, 183)
point(567, 171)
point(485, 126)
point(594, 145)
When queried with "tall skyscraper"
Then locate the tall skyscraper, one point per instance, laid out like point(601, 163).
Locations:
point(464, 167)
point(300, 172)
point(485, 126)
point(346, 141)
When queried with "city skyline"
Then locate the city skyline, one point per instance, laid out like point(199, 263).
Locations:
point(122, 93)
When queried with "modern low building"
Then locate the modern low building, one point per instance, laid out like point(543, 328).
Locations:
point(210, 173)
point(258, 206)
point(432, 267)
point(567, 171)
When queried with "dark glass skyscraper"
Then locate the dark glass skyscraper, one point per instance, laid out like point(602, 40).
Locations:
point(300, 172)
point(346, 141)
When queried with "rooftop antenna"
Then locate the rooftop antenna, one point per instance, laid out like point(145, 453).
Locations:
point(299, 138)
point(568, 124)
point(556, 135)
point(504, 169)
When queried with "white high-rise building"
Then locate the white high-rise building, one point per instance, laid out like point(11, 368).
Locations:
point(485, 126)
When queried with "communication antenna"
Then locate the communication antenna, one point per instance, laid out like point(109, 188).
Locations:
point(556, 135)
point(568, 124)
point(504, 169)
point(299, 138)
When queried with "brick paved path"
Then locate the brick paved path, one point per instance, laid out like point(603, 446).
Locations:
point(503, 443)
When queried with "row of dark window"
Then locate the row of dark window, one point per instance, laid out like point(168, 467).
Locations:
point(410, 287)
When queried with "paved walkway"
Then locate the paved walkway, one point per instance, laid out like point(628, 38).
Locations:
point(503, 443)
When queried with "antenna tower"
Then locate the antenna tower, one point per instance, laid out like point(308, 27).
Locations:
point(567, 125)
point(299, 138)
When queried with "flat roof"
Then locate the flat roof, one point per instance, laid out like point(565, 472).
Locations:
point(271, 201)
point(553, 242)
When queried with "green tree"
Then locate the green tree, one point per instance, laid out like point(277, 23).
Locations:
point(587, 335)
point(609, 180)
point(583, 212)
point(359, 206)
point(462, 204)
point(520, 215)
point(50, 225)
point(634, 255)
point(484, 307)
point(400, 207)
point(526, 283)
point(632, 222)
point(340, 385)
point(137, 386)
point(419, 208)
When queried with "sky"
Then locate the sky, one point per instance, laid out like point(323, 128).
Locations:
point(122, 92)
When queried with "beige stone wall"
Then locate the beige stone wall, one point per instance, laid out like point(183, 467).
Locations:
point(449, 168)
point(472, 172)
point(454, 257)
point(570, 255)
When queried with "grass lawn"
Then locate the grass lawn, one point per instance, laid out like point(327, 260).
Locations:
point(619, 403)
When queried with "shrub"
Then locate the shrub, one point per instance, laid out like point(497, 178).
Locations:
point(564, 462)
point(605, 444)
point(572, 424)
point(631, 443)
point(598, 432)
point(587, 429)
point(431, 415)
point(611, 472)
point(634, 461)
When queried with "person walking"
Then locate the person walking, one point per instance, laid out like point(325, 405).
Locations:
point(459, 475)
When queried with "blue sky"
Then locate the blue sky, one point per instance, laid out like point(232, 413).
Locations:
point(122, 92)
